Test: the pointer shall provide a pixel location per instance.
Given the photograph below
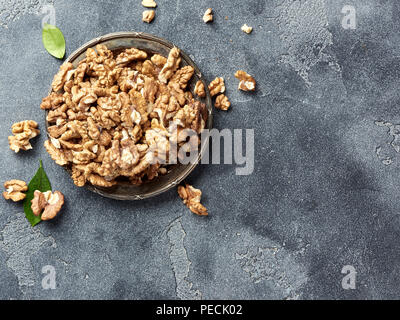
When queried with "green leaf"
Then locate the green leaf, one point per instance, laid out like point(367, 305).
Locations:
point(39, 182)
point(53, 41)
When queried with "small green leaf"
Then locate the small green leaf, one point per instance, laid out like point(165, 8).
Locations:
point(53, 41)
point(39, 182)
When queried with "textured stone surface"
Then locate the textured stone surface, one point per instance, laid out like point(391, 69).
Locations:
point(324, 192)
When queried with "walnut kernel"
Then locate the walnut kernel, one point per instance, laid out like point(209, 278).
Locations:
point(148, 16)
point(14, 190)
point(171, 65)
point(217, 86)
point(149, 3)
point(192, 197)
point(22, 132)
point(245, 28)
point(208, 16)
point(247, 82)
point(200, 89)
point(222, 102)
point(48, 202)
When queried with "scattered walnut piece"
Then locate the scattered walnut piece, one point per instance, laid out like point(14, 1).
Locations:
point(14, 190)
point(149, 3)
point(217, 86)
point(148, 15)
point(199, 89)
point(22, 132)
point(222, 102)
point(245, 28)
point(50, 202)
point(53, 101)
point(192, 197)
point(247, 82)
point(208, 16)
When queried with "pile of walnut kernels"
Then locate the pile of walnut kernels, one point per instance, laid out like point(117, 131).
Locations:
point(106, 114)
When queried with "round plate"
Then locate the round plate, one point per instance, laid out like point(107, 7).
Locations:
point(150, 44)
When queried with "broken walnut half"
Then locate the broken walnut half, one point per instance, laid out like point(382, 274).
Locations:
point(48, 202)
point(115, 114)
point(222, 102)
point(149, 3)
point(15, 190)
point(247, 82)
point(192, 197)
point(245, 28)
point(217, 86)
point(199, 89)
point(148, 16)
point(208, 16)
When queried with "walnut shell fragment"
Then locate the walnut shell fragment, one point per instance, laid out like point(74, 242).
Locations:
point(48, 202)
point(192, 197)
point(247, 82)
point(14, 190)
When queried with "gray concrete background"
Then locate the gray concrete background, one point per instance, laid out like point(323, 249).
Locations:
point(324, 192)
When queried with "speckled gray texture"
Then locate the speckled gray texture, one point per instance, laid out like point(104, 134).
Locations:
point(324, 192)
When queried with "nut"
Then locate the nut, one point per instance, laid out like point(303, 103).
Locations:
point(247, 82)
point(48, 202)
point(192, 197)
point(148, 15)
point(199, 89)
point(222, 102)
point(59, 156)
point(208, 16)
point(245, 28)
point(23, 131)
point(130, 55)
point(158, 60)
point(61, 77)
point(183, 76)
point(171, 65)
point(149, 3)
point(217, 86)
point(53, 101)
point(14, 190)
